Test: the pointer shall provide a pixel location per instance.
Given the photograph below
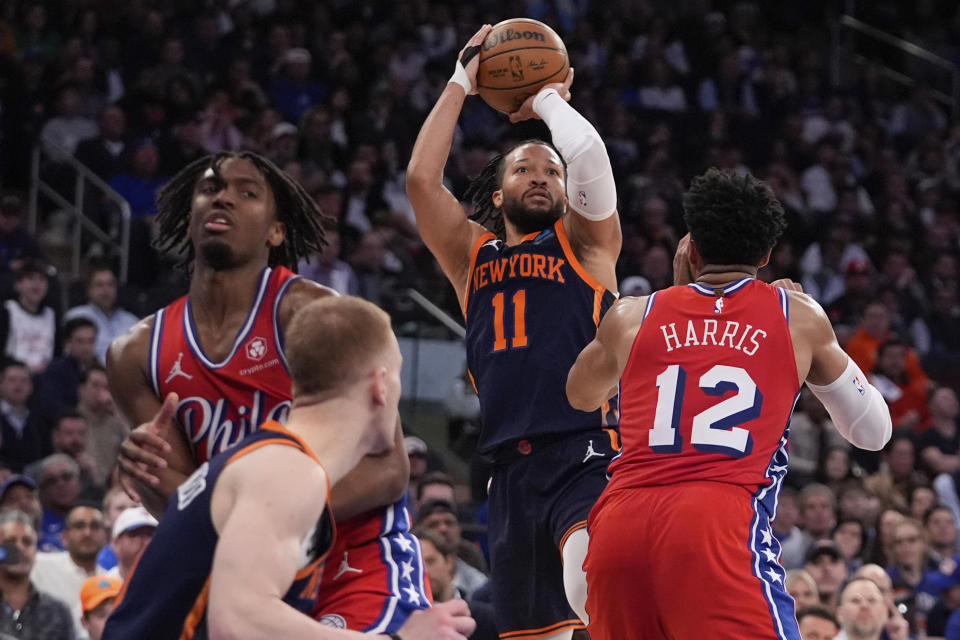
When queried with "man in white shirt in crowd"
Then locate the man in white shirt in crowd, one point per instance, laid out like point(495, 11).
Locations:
point(101, 308)
point(61, 573)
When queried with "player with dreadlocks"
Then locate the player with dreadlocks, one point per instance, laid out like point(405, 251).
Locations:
point(533, 276)
point(207, 370)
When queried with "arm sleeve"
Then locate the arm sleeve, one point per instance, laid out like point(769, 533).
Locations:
point(856, 408)
point(590, 186)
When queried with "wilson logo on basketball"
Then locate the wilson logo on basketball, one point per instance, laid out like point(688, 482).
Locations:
point(510, 35)
point(256, 348)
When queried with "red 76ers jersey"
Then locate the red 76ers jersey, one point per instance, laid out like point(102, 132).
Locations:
point(221, 402)
point(708, 390)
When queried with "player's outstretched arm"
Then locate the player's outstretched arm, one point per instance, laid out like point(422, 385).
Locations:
point(594, 377)
point(594, 229)
point(856, 407)
point(376, 481)
point(444, 227)
point(154, 459)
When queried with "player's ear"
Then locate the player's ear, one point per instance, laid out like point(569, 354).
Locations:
point(766, 259)
point(497, 198)
point(378, 386)
point(696, 260)
point(278, 231)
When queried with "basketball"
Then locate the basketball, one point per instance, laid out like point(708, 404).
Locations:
point(518, 57)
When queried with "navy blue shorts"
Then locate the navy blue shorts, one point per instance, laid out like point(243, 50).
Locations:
point(541, 491)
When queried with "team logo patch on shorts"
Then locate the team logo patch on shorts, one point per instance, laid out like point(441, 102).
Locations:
point(333, 620)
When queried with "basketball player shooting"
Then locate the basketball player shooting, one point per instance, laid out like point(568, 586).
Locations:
point(709, 373)
point(533, 277)
point(242, 225)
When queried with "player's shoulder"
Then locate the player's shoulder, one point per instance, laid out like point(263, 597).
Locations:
point(301, 292)
point(626, 313)
point(806, 314)
point(133, 343)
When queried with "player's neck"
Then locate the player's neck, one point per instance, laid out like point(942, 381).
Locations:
point(721, 275)
point(324, 426)
point(215, 293)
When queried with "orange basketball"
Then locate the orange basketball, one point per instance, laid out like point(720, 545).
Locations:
point(518, 57)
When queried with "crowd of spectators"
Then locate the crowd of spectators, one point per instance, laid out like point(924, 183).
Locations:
point(334, 92)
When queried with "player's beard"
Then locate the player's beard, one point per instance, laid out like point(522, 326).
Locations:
point(217, 254)
point(531, 219)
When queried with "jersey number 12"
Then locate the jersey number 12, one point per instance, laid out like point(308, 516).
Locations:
point(715, 429)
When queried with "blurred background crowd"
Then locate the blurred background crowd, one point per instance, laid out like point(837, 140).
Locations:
point(334, 92)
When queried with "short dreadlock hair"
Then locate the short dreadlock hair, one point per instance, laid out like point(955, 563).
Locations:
point(732, 218)
point(300, 215)
point(480, 190)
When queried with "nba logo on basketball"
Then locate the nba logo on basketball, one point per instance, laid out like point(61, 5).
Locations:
point(256, 348)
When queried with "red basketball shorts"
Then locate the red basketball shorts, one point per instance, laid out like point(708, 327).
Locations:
point(691, 560)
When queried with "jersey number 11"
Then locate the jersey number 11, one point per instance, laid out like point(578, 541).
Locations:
point(519, 321)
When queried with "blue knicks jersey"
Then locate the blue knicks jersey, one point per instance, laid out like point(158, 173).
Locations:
point(530, 308)
point(167, 594)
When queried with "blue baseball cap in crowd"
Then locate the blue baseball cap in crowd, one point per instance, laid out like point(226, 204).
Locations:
point(15, 479)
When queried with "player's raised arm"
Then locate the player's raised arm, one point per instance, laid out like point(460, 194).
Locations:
point(594, 377)
point(594, 229)
point(856, 407)
point(443, 223)
point(155, 458)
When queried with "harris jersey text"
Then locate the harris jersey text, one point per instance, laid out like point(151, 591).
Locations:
point(709, 388)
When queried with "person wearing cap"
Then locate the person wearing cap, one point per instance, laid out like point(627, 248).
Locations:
point(114, 503)
point(284, 140)
point(132, 532)
point(863, 614)
point(97, 597)
point(28, 328)
point(61, 573)
point(825, 564)
point(25, 611)
point(292, 91)
point(20, 492)
point(440, 516)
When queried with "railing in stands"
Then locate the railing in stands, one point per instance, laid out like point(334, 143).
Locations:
point(437, 313)
point(82, 177)
point(937, 68)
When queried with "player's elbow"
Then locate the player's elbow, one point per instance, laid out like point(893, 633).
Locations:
point(418, 180)
point(579, 397)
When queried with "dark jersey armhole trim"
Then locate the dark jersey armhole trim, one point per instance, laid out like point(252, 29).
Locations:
point(568, 252)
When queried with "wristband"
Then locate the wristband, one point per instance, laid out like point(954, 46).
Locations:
point(460, 71)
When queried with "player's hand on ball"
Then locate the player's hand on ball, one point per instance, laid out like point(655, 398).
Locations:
point(682, 274)
point(468, 61)
point(526, 112)
point(447, 621)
